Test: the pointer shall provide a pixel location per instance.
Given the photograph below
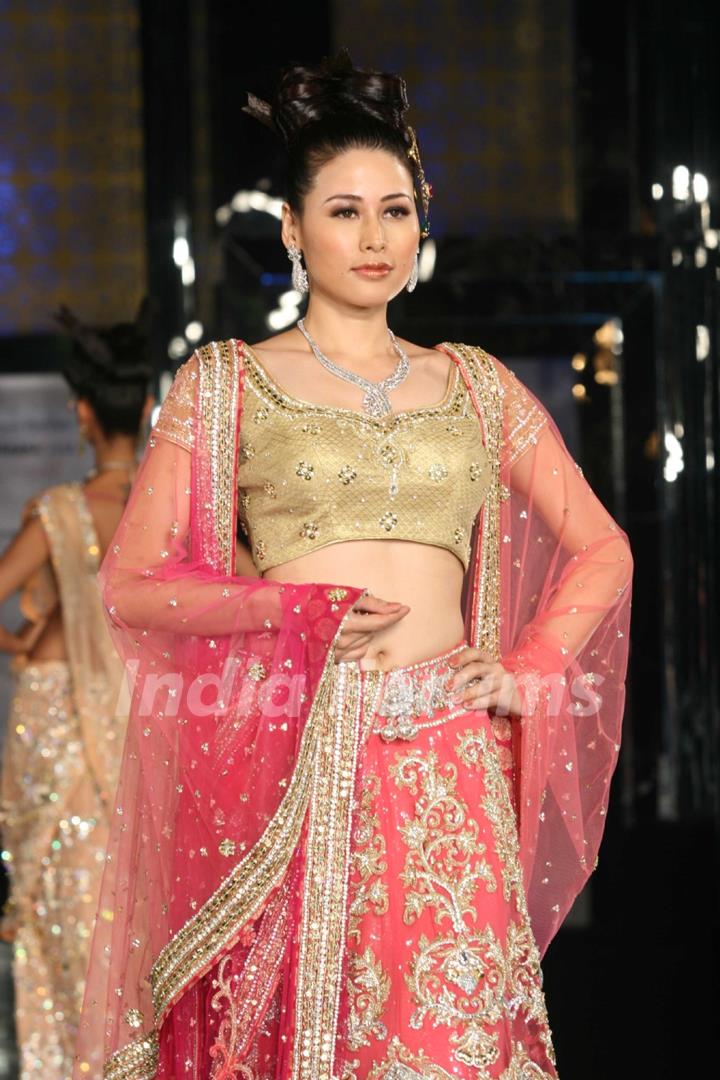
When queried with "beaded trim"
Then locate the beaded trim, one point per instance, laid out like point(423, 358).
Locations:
point(486, 391)
point(136, 1061)
point(218, 389)
point(327, 870)
point(418, 690)
point(263, 384)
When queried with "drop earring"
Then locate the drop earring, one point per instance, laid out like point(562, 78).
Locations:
point(413, 279)
point(299, 273)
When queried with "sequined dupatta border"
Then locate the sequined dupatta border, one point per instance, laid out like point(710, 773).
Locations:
point(481, 377)
point(219, 396)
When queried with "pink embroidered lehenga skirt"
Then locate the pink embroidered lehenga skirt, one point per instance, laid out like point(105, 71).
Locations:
point(443, 974)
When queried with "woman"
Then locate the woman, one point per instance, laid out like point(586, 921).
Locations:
point(64, 737)
point(369, 756)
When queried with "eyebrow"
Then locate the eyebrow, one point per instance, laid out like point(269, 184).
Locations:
point(359, 198)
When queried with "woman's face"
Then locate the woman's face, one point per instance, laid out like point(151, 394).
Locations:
point(360, 214)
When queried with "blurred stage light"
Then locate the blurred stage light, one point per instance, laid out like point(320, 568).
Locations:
point(241, 202)
point(579, 361)
point(607, 377)
point(711, 239)
point(181, 250)
point(700, 186)
point(289, 299)
point(282, 317)
point(264, 203)
point(426, 260)
point(681, 183)
point(657, 191)
point(579, 391)
point(244, 201)
point(674, 463)
point(702, 343)
point(187, 272)
point(610, 334)
point(700, 256)
point(194, 331)
point(177, 347)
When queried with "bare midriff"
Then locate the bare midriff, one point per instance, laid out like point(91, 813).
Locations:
point(425, 577)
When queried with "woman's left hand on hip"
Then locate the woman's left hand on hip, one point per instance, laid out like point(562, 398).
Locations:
point(480, 682)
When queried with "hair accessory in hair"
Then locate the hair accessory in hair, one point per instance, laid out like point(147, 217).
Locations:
point(424, 187)
point(260, 110)
point(89, 341)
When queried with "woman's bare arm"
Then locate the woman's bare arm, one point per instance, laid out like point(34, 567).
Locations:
point(25, 554)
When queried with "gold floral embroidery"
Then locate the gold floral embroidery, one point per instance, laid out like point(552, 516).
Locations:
point(442, 839)
point(476, 964)
point(402, 1064)
point(245, 998)
point(224, 1062)
point(495, 982)
point(443, 865)
point(522, 1067)
point(368, 991)
point(368, 861)
point(523, 989)
point(464, 979)
point(477, 749)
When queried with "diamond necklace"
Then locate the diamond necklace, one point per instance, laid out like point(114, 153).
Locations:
point(376, 401)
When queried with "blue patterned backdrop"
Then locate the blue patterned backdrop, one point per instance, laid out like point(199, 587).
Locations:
point(71, 179)
point(491, 88)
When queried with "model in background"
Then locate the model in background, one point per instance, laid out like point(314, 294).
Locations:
point(64, 737)
point(369, 759)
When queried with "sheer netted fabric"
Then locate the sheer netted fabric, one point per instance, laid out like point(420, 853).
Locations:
point(231, 844)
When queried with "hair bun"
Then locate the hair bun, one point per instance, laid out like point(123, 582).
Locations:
point(108, 356)
point(306, 95)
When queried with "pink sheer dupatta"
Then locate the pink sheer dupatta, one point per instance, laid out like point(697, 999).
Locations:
point(228, 861)
point(548, 594)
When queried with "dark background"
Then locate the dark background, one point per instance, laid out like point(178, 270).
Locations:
point(544, 128)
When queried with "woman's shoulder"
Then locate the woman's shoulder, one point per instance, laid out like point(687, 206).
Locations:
point(34, 505)
point(480, 363)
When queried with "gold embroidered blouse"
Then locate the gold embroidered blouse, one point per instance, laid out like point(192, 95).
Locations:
point(312, 475)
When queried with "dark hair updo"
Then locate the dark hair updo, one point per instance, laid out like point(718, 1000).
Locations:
point(323, 110)
point(110, 369)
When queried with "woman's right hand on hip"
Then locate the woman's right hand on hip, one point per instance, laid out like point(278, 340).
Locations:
point(368, 616)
